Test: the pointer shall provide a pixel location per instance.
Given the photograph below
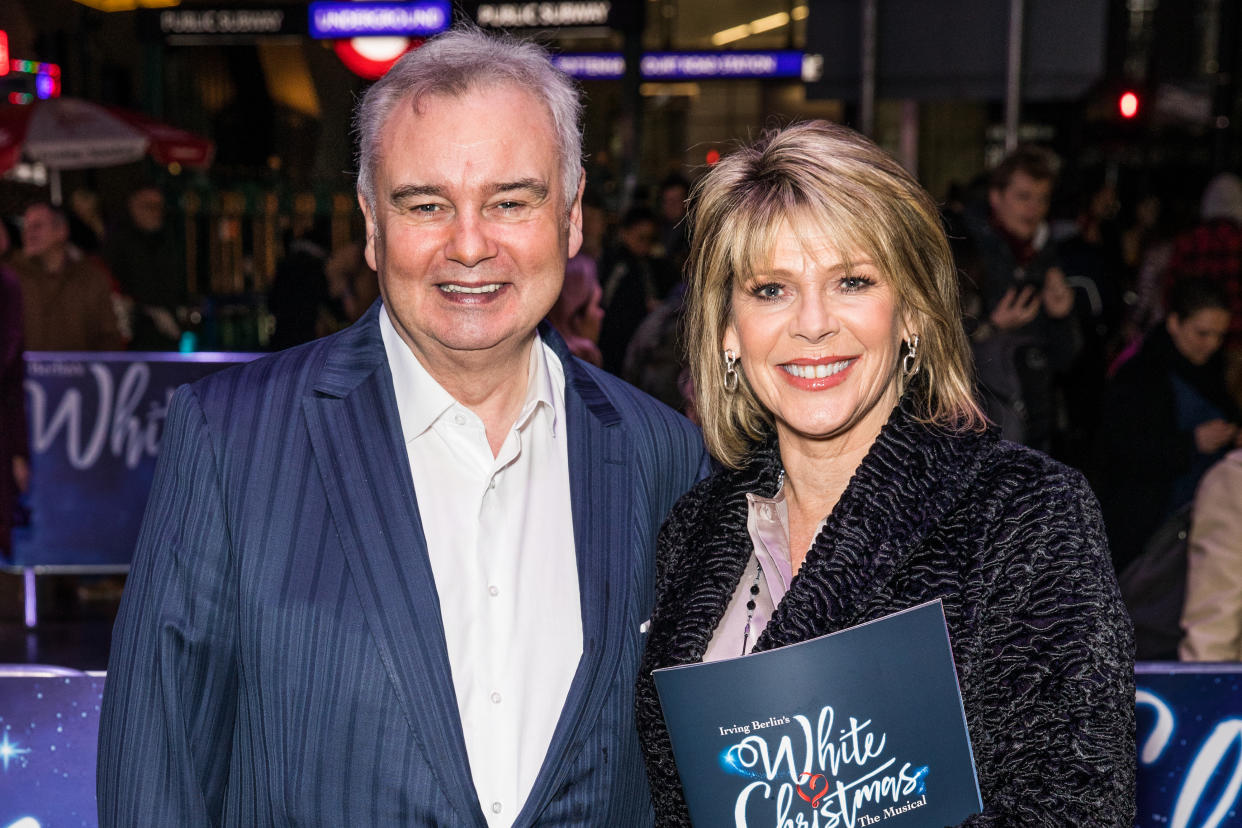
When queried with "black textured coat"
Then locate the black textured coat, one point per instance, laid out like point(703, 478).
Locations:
point(1013, 544)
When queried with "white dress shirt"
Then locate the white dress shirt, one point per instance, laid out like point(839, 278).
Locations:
point(499, 533)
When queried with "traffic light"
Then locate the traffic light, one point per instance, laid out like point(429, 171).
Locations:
point(1128, 104)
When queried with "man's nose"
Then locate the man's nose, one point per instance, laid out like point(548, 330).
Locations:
point(469, 242)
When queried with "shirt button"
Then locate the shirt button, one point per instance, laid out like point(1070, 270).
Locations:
point(767, 512)
point(491, 484)
point(495, 807)
point(493, 590)
point(460, 419)
point(495, 698)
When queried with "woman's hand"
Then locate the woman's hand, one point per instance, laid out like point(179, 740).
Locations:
point(1214, 435)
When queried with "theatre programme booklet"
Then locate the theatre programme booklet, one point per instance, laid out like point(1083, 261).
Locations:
point(858, 728)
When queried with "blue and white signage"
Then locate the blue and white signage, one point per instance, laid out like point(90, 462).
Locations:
point(49, 732)
point(685, 66)
point(680, 66)
point(95, 422)
point(336, 20)
point(1189, 721)
point(591, 66)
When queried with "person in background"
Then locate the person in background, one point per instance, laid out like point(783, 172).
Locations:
point(351, 281)
point(673, 242)
point(1026, 332)
point(655, 360)
point(577, 315)
point(87, 230)
point(594, 224)
point(396, 576)
point(632, 285)
point(67, 300)
point(14, 447)
point(1212, 615)
point(300, 299)
point(146, 262)
point(835, 387)
point(1090, 257)
point(1166, 417)
point(1213, 250)
point(1146, 250)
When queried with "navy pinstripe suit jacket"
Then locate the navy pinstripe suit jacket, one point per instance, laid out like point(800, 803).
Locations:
point(279, 656)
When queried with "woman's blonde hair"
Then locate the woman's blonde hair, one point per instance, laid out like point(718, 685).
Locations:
point(826, 177)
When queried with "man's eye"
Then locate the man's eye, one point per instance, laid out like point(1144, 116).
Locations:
point(426, 208)
point(510, 205)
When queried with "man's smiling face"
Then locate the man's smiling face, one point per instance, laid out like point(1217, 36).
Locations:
point(470, 232)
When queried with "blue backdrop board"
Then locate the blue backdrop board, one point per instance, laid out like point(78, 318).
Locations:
point(1189, 728)
point(49, 729)
point(95, 423)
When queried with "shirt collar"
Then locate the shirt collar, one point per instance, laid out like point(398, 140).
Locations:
point(421, 400)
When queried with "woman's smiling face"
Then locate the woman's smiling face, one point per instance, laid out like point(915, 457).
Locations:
point(818, 336)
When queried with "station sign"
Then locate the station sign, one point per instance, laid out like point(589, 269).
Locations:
point(343, 20)
point(543, 15)
point(685, 66)
point(234, 23)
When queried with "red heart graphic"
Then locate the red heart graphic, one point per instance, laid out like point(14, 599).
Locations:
point(813, 797)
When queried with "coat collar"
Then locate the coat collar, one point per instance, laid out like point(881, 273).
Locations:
point(912, 476)
point(356, 436)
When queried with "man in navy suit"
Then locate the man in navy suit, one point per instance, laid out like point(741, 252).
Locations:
point(399, 576)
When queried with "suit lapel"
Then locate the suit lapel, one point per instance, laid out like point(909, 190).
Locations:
point(355, 434)
point(600, 493)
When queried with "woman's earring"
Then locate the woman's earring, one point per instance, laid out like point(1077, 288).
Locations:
point(730, 379)
point(909, 362)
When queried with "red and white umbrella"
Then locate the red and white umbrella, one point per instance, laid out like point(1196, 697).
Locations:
point(72, 134)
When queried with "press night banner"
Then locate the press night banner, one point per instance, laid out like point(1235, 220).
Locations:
point(859, 728)
point(95, 422)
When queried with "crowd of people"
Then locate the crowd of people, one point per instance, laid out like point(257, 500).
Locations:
point(1114, 349)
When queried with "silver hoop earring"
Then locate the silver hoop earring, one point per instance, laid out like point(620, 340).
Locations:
point(731, 376)
point(909, 362)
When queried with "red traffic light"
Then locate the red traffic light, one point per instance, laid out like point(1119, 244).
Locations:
point(1128, 104)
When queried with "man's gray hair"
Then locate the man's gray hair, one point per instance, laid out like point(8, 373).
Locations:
point(458, 61)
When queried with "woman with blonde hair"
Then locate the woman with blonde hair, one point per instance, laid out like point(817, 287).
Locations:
point(860, 478)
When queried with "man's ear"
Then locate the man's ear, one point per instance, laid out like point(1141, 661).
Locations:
point(369, 249)
point(575, 217)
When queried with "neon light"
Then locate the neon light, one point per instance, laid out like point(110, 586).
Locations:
point(676, 66)
point(45, 86)
point(367, 19)
point(4, 52)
